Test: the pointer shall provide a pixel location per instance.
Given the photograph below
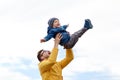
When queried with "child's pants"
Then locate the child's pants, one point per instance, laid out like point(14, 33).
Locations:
point(74, 38)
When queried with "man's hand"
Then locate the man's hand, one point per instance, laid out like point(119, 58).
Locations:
point(57, 40)
point(42, 40)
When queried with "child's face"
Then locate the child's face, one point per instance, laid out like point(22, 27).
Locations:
point(56, 24)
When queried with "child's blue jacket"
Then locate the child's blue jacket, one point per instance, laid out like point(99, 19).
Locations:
point(52, 32)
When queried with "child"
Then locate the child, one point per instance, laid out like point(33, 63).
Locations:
point(67, 41)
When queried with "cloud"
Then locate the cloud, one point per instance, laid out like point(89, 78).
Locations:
point(8, 74)
point(18, 68)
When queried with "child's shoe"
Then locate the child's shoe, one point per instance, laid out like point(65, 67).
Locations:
point(88, 24)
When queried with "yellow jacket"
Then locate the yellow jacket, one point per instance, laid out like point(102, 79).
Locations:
point(52, 70)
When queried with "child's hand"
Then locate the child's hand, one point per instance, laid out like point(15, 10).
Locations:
point(42, 40)
point(67, 25)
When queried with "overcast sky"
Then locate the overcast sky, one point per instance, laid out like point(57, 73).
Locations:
point(24, 22)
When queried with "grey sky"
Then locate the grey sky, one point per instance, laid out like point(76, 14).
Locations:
point(24, 22)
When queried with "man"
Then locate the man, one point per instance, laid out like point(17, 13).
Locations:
point(49, 68)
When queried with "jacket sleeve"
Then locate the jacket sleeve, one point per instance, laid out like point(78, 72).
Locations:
point(69, 57)
point(65, 26)
point(49, 36)
point(46, 64)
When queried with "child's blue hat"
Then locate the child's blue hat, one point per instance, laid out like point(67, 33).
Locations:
point(51, 20)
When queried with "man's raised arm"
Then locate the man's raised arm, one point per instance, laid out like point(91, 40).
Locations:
point(69, 57)
point(46, 64)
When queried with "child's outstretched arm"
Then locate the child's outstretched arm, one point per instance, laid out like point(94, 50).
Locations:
point(65, 26)
point(48, 37)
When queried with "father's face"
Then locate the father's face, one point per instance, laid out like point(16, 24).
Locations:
point(45, 54)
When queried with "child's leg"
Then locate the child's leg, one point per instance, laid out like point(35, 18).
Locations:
point(74, 37)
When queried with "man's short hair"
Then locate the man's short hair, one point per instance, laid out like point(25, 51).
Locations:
point(39, 55)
